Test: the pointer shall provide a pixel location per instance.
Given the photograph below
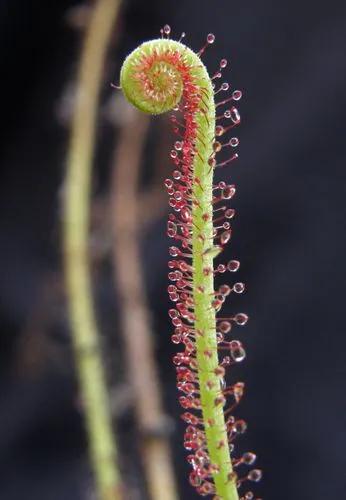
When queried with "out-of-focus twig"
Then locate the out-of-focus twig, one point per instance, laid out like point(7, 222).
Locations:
point(135, 317)
point(152, 203)
point(77, 270)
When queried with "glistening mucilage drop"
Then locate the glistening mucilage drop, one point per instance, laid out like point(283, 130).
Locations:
point(164, 75)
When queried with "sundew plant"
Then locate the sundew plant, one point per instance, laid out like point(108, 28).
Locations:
point(160, 76)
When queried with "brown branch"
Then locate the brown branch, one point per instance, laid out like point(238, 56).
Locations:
point(126, 227)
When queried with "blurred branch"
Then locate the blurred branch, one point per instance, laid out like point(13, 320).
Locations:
point(152, 202)
point(86, 342)
point(126, 222)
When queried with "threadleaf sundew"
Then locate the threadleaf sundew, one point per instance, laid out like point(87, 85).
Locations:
point(163, 75)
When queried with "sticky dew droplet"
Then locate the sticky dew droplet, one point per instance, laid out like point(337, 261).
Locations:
point(237, 95)
point(255, 475)
point(183, 35)
point(224, 290)
point(240, 426)
point(221, 268)
point(237, 351)
point(241, 319)
point(167, 29)
point(238, 354)
point(234, 141)
point(248, 458)
point(225, 327)
point(233, 266)
point(234, 115)
point(176, 175)
point(239, 287)
point(228, 192)
point(174, 251)
point(230, 213)
point(225, 237)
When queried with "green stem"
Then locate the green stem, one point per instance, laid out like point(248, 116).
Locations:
point(85, 337)
point(206, 345)
point(153, 79)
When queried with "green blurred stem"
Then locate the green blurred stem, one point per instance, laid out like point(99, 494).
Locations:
point(90, 369)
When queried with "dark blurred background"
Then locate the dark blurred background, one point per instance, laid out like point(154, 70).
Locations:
point(289, 59)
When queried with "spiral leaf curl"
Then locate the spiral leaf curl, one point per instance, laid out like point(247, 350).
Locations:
point(159, 76)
